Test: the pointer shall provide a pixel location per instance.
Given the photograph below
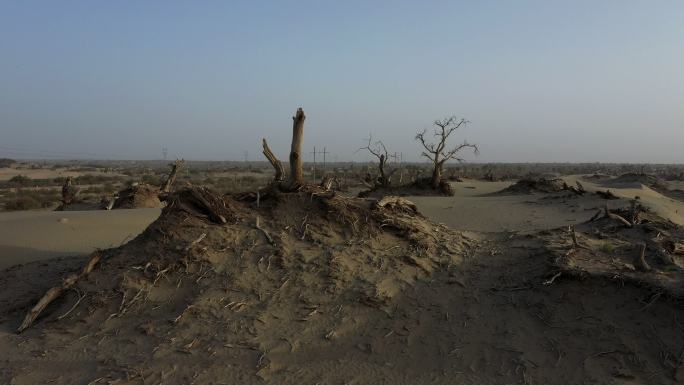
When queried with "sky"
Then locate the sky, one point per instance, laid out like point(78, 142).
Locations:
point(539, 81)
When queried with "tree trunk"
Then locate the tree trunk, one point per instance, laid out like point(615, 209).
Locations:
point(296, 163)
point(436, 175)
point(381, 167)
point(166, 187)
point(279, 171)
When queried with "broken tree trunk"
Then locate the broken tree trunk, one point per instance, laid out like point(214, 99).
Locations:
point(69, 192)
point(296, 160)
point(57, 291)
point(277, 165)
point(616, 217)
point(640, 260)
point(168, 184)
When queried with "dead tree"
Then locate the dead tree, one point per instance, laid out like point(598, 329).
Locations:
point(296, 162)
point(379, 151)
point(438, 152)
point(168, 184)
point(296, 178)
point(277, 165)
point(69, 192)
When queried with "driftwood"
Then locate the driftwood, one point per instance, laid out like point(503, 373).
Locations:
point(330, 182)
point(168, 184)
point(277, 165)
point(57, 291)
point(396, 202)
point(573, 234)
point(579, 190)
point(640, 260)
point(296, 160)
point(204, 203)
point(608, 214)
point(678, 248)
point(209, 203)
point(266, 234)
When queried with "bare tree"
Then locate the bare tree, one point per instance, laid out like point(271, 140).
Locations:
point(168, 184)
point(296, 178)
point(275, 162)
point(379, 150)
point(296, 162)
point(438, 152)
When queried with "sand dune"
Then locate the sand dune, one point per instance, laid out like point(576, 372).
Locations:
point(27, 236)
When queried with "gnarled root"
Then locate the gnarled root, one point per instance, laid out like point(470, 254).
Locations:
point(57, 291)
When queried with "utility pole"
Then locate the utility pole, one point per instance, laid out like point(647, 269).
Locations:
point(165, 152)
point(314, 164)
point(324, 152)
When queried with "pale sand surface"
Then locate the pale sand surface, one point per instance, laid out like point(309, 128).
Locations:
point(473, 208)
point(46, 173)
point(27, 236)
point(34, 235)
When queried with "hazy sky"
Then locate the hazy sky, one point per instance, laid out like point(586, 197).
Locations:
point(539, 80)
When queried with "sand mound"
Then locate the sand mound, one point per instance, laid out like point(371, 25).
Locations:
point(250, 289)
point(139, 195)
point(651, 181)
point(533, 186)
point(611, 247)
point(312, 287)
point(419, 187)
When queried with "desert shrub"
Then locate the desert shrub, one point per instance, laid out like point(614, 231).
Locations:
point(22, 199)
point(22, 203)
point(152, 179)
point(607, 248)
point(7, 162)
point(109, 187)
point(20, 180)
point(94, 179)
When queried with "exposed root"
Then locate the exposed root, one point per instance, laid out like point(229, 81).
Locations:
point(57, 291)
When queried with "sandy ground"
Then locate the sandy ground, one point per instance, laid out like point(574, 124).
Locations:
point(36, 235)
point(474, 208)
point(27, 236)
point(46, 173)
point(484, 315)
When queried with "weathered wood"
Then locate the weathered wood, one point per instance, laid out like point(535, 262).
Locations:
point(393, 201)
point(616, 217)
point(328, 182)
point(168, 184)
point(275, 162)
point(296, 160)
point(573, 234)
point(266, 234)
point(57, 291)
point(214, 208)
point(678, 248)
point(640, 260)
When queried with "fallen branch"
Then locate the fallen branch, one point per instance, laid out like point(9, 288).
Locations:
point(596, 216)
point(275, 162)
point(57, 291)
point(608, 214)
point(550, 281)
point(640, 261)
point(574, 236)
point(268, 236)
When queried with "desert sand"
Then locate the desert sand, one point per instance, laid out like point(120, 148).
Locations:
point(27, 236)
point(472, 294)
